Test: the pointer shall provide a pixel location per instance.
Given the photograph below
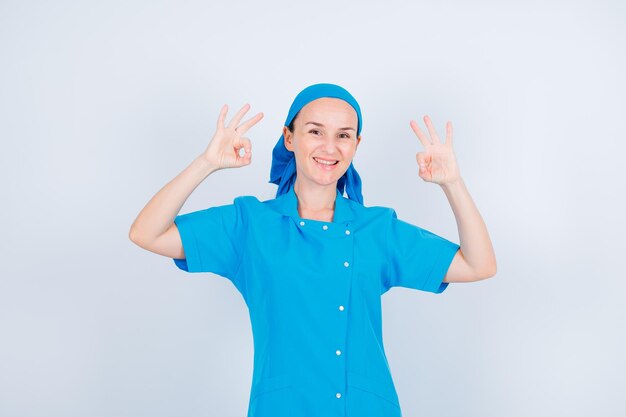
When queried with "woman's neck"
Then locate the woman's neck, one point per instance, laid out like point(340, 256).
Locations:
point(316, 203)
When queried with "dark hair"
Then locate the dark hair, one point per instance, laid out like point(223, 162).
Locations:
point(291, 126)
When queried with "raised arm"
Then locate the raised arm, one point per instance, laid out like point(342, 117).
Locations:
point(475, 260)
point(154, 228)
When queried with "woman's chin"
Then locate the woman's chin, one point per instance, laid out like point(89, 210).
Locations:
point(327, 179)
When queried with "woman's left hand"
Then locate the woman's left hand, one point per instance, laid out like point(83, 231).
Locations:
point(437, 163)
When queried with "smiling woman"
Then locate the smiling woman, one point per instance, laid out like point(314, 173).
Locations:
point(323, 151)
point(311, 264)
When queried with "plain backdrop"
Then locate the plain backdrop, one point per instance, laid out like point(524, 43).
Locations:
point(103, 103)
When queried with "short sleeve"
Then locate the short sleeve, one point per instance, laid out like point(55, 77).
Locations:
point(417, 258)
point(212, 239)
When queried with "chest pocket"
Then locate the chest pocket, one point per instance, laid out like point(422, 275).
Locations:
point(308, 251)
point(370, 274)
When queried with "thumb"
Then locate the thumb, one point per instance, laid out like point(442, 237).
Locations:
point(244, 143)
point(423, 158)
point(244, 152)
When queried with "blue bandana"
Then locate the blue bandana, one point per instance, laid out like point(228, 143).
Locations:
point(283, 171)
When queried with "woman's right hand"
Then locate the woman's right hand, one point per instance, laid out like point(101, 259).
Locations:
point(225, 146)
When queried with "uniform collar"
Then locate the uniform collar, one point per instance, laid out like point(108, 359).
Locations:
point(288, 205)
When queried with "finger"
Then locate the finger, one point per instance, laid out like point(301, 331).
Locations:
point(242, 156)
point(246, 144)
point(238, 116)
point(244, 153)
point(243, 147)
point(449, 133)
point(431, 129)
point(242, 129)
point(423, 159)
point(222, 116)
point(246, 160)
point(422, 137)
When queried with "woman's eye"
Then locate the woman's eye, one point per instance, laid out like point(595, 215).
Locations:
point(342, 135)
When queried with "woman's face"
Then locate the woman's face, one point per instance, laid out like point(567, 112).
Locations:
point(324, 131)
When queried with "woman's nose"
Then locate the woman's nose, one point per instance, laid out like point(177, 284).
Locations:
point(330, 144)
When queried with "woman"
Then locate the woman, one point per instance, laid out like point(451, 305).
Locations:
point(311, 264)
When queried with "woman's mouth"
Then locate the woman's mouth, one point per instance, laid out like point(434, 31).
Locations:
point(325, 164)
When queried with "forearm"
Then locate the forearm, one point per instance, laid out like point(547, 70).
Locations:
point(474, 238)
point(158, 215)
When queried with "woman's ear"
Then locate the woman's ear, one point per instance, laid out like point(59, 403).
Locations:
point(287, 135)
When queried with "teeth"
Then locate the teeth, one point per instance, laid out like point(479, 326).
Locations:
point(325, 162)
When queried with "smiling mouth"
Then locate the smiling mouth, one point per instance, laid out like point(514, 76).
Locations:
point(325, 163)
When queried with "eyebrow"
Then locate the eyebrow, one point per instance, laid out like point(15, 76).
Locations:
point(321, 125)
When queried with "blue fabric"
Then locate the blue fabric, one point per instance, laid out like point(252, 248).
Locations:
point(313, 290)
point(283, 170)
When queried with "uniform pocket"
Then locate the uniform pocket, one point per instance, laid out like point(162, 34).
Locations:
point(378, 388)
point(270, 396)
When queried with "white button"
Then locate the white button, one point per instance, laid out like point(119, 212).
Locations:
point(325, 227)
point(346, 264)
point(301, 223)
point(338, 352)
point(338, 395)
point(340, 308)
point(347, 232)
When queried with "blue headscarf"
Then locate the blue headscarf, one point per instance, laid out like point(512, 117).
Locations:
point(283, 171)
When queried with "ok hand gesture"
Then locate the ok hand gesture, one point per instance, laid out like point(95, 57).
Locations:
point(437, 162)
point(228, 147)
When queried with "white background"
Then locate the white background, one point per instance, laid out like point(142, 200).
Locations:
point(103, 103)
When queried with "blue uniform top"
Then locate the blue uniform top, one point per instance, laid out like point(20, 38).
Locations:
point(313, 291)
